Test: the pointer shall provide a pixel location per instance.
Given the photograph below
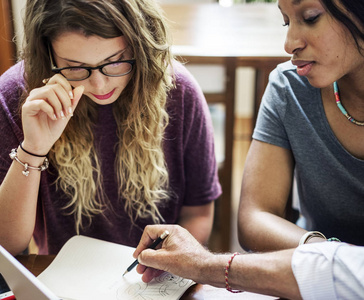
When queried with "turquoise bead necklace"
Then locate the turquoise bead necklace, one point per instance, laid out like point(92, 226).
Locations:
point(342, 108)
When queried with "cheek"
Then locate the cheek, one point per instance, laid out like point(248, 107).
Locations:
point(326, 47)
point(122, 82)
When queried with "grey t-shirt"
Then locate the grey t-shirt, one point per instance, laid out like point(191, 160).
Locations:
point(330, 180)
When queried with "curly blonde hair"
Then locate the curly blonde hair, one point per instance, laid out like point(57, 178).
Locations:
point(140, 111)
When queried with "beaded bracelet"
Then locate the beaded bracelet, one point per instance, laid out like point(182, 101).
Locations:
point(333, 239)
point(228, 287)
point(14, 156)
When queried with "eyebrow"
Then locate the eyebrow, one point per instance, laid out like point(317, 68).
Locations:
point(107, 58)
point(294, 2)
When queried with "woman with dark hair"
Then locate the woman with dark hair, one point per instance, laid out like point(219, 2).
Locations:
point(109, 133)
point(305, 125)
point(311, 127)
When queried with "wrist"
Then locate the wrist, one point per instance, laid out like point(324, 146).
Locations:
point(227, 271)
point(312, 237)
point(31, 159)
point(212, 270)
point(27, 167)
point(315, 240)
point(33, 150)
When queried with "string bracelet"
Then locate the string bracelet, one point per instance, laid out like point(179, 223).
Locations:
point(30, 153)
point(14, 156)
point(309, 235)
point(227, 267)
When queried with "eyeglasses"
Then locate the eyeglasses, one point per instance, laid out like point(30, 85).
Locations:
point(112, 69)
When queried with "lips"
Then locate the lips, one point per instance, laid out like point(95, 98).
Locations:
point(105, 96)
point(303, 67)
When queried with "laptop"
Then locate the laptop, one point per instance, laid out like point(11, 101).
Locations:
point(21, 281)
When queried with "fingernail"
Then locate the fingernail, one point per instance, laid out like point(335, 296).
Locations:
point(70, 94)
point(62, 114)
point(54, 117)
point(70, 111)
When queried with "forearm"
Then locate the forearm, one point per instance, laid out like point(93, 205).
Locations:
point(263, 231)
point(18, 202)
point(199, 227)
point(181, 254)
point(268, 273)
point(198, 221)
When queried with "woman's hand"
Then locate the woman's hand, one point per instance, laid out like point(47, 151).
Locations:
point(181, 254)
point(46, 113)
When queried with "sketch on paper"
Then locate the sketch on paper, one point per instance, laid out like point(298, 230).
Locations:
point(161, 287)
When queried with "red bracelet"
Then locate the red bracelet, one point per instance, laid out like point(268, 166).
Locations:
point(228, 287)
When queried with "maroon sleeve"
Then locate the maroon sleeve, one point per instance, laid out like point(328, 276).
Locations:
point(190, 151)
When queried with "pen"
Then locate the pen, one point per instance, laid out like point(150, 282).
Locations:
point(152, 246)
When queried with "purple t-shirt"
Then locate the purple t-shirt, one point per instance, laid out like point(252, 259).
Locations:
point(189, 151)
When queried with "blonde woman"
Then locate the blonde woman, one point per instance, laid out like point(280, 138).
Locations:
point(106, 131)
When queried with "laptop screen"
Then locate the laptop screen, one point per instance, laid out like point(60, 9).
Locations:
point(21, 281)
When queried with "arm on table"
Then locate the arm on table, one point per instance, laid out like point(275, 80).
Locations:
point(182, 255)
point(327, 270)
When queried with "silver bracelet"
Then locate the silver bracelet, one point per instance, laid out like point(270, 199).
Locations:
point(309, 235)
point(14, 156)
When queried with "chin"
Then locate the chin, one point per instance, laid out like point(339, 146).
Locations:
point(317, 82)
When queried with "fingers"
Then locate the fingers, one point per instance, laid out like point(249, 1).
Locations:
point(59, 79)
point(150, 274)
point(34, 107)
point(150, 234)
point(150, 258)
point(77, 93)
point(59, 96)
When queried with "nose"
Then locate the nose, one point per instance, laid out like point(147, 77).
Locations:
point(294, 40)
point(97, 79)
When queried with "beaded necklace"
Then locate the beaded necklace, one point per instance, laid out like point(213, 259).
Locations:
point(342, 108)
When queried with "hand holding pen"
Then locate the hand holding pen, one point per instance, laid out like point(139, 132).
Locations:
point(181, 254)
point(152, 246)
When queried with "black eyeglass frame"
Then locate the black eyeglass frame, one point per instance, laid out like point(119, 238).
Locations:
point(90, 69)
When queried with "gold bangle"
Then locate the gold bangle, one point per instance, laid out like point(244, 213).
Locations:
point(14, 156)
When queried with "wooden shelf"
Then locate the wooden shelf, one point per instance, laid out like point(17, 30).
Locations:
point(7, 46)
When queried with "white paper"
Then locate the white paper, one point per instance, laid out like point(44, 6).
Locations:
point(87, 269)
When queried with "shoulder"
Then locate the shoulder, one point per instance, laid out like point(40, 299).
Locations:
point(285, 77)
point(14, 76)
point(286, 87)
point(186, 92)
point(184, 81)
point(12, 85)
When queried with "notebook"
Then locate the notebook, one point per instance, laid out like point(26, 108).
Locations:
point(92, 269)
point(21, 281)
